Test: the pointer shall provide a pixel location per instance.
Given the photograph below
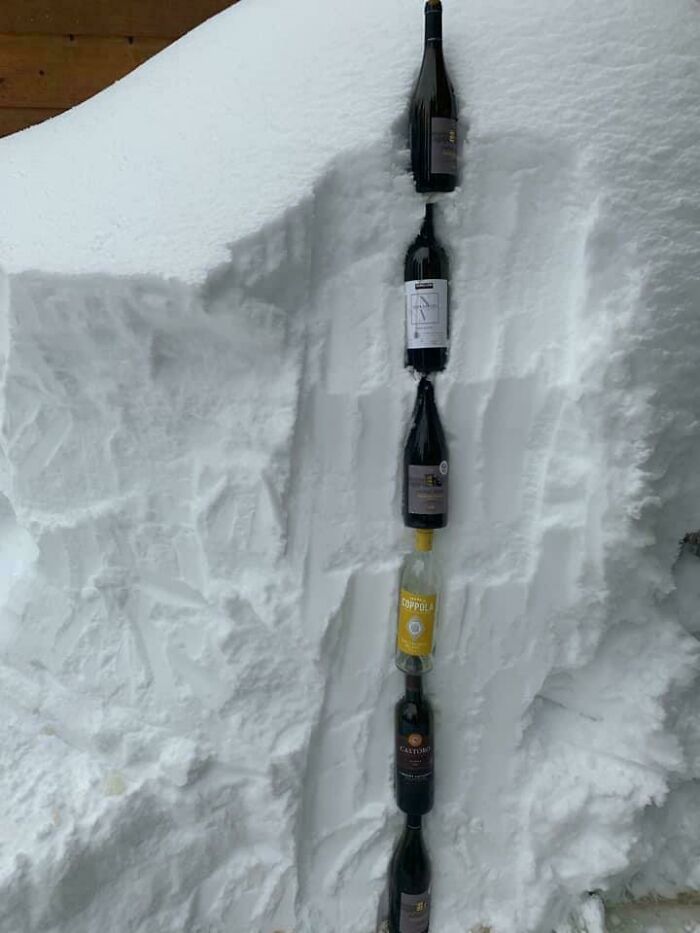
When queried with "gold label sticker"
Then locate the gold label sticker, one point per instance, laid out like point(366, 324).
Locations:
point(416, 623)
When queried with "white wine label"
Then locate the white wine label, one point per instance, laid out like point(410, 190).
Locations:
point(415, 913)
point(426, 314)
point(427, 489)
point(443, 146)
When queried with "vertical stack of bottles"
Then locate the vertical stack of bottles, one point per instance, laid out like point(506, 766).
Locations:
point(433, 145)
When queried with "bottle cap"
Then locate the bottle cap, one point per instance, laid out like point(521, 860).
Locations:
point(424, 539)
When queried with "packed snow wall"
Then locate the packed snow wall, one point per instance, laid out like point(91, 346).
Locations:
point(201, 530)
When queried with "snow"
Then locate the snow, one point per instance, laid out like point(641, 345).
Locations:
point(203, 406)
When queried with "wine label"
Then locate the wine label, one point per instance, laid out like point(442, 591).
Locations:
point(426, 314)
point(415, 913)
point(427, 489)
point(443, 146)
point(416, 623)
point(414, 756)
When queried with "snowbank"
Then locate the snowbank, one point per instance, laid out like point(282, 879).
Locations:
point(200, 514)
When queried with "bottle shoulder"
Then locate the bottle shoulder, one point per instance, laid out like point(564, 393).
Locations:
point(426, 258)
point(433, 84)
point(413, 714)
point(426, 441)
point(420, 571)
point(408, 714)
point(414, 848)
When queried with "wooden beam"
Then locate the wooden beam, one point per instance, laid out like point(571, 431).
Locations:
point(13, 119)
point(57, 72)
point(147, 18)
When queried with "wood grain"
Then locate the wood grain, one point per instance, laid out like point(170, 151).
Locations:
point(57, 72)
point(145, 18)
point(13, 119)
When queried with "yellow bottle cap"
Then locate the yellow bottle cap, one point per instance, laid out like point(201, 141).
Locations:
point(424, 539)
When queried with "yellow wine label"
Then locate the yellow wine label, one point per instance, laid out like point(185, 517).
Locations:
point(416, 623)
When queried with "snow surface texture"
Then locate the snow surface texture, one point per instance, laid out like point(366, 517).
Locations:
point(200, 524)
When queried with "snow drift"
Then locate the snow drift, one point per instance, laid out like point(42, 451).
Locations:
point(203, 404)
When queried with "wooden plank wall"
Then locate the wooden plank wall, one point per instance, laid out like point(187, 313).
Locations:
point(56, 53)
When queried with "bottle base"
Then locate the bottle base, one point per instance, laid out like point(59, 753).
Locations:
point(425, 370)
point(438, 184)
point(413, 808)
point(411, 664)
point(424, 524)
point(425, 364)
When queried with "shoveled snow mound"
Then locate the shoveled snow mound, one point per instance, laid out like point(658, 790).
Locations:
point(200, 527)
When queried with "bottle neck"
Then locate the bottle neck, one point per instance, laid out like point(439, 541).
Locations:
point(413, 822)
point(426, 231)
point(414, 688)
point(420, 420)
point(433, 23)
point(425, 392)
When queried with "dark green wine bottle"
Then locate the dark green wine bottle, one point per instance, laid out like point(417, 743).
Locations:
point(409, 882)
point(433, 113)
point(425, 464)
point(426, 276)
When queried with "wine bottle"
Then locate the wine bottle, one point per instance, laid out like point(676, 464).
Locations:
point(425, 464)
point(413, 729)
point(418, 605)
point(409, 882)
point(426, 274)
point(433, 113)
